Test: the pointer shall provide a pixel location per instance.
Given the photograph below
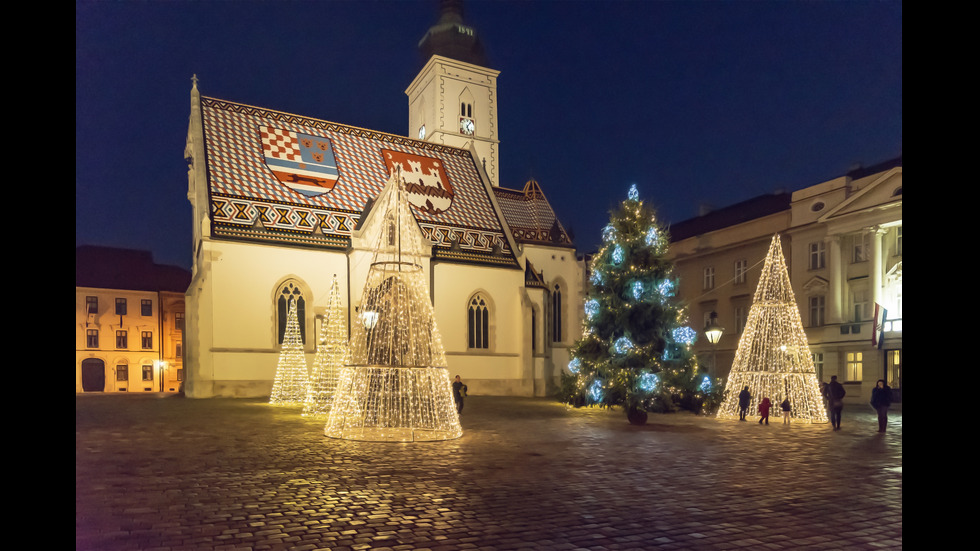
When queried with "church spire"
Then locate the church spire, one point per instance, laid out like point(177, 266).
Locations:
point(451, 37)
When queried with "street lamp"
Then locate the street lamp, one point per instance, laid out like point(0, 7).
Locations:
point(162, 368)
point(713, 332)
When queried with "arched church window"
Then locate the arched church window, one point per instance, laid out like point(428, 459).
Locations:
point(289, 291)
point(478, 322)
point(556, 314)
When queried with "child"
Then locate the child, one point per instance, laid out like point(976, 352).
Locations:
point(764, 406)
point(786, 410)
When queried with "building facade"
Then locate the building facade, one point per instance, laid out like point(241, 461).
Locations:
point(281, 204)
point(129, 316)
point(842, 240)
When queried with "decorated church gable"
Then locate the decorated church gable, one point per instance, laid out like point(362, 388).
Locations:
point(289, 179)
point(530, 217)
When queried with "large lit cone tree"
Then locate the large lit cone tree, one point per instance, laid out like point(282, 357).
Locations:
point(292, 373)
point(331, 356)
point(773, 358)
point(635, 351)
point(396, 387)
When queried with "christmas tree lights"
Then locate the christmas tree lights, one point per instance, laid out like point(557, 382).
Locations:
point(773, 358)
point(397, 386)
point(331, 356)
point(292, 374)
point(635, 351)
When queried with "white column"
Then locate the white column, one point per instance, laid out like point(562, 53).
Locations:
point(834, 267)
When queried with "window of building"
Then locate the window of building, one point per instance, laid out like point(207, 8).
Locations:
point(862, 305)
point(146, 340)
point(179, 350)
point(817, 310)
point(853, 368)
point(146, 307)
point(741, 318)
point(556, 314)
point(290, 291)
point(818, 364)
point(92, 305)
point(861, 248)
point(478, 322)
point(741, 268)
point(147, 372)
point(534, 330)
point(817, 255)
point(709, 277)
point(122, 372)
point(180, 374)
point(120, 307)
point(179, 321)
point(898, 241)
point(122, 339)
point(92, 338)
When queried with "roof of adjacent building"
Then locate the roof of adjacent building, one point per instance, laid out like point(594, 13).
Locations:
point(757, 207)
point(128, 269)
point(297, 180)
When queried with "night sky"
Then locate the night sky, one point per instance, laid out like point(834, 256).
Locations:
point(696, 102)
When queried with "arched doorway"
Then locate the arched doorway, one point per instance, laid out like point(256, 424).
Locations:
point(93, 375)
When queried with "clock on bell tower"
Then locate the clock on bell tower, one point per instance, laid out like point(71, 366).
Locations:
point(453, 99)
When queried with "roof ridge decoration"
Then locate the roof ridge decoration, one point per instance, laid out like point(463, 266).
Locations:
point(280, 177)
point(530, 216)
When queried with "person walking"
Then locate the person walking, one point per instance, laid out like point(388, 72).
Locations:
point(764, 406)
point(744, 398)
point(786, 409)
point(835, 398)
point(459, 392)
point(881, 398)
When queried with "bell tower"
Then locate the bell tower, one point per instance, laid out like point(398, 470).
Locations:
point(453, 99)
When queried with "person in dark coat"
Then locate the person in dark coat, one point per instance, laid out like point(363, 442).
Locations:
point(459, 392)
point(744, 398)
point(835, 397)
point(786, 410)
point(881, 398)
point(764, 406)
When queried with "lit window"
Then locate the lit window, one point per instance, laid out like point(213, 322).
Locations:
point(709, 277)
point(122, 372)
point(817, 255)
point(92, 338)
point(147, 372)
point(146, 307)
point(122, 339)
point(854, 366)
point(180, 374)
point(741, 267)
point(147, 340)
point(120, 307)
point(478, 322)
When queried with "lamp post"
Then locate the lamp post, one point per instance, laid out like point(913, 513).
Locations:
point(713, 332)
point(162, 368)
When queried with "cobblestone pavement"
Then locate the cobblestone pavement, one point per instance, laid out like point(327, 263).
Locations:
point(164, 472)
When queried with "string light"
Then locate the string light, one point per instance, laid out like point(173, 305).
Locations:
point(651, 238)
point(638, 290)
point(397, 386)
point(633, 194)
point(618, 254)
point(685, 335)
point(591, 308)
point(574, 365)
point(773, 357)
point(609, 234)
point(649, 382)
point(623, 345)
point(292, 373)
point(331, 356)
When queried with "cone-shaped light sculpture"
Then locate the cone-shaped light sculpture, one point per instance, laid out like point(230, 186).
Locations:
point(292, 374)
point(773, 358)
point(331, 356)
point(396, 387)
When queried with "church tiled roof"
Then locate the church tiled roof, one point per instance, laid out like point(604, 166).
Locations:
point(530, 216)
point(279, 177)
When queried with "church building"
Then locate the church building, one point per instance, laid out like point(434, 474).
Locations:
point(282, 205)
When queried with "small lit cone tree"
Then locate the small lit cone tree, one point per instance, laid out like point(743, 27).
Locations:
point(331, 356)
point(773, 358)
point(292, 373)
point(635, 350)
point(396, 387)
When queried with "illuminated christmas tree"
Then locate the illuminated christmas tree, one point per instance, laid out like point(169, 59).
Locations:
point(331, 356)
point(292, 374)
point(773, 357)
point(636, 350)
point(396, 387)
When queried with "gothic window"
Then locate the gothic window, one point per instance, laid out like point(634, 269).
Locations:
point(478, 322)
point(556, 313)
point(289, 290)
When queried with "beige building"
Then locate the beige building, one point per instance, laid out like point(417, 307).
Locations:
point(842, 240)
point(129, 315)
point(281, 204)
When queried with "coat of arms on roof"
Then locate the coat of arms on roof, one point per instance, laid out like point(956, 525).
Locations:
point(302, 162)
point(426, 183)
